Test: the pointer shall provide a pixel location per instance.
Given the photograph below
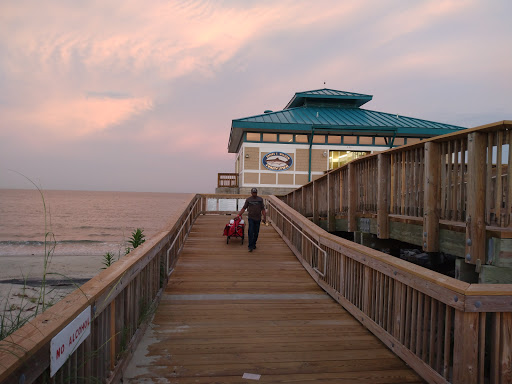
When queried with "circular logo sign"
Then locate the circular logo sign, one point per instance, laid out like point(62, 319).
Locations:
point(277, 161)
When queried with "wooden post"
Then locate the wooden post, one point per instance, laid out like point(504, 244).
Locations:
point(316, 219)
point(352, 198)
point(341, 190)
point(302, 209)
point(475, 223)
point(431, 198)
point(383, 167)
point(465, 348)
point(508, 206)
point(403, 181)
point(331, 206)
point(498, 188)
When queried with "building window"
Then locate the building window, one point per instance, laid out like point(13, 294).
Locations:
point(285, 138)
point(365, 140)
point(381, 141)
point(319, 139)
point(349, 139)
point(340, 158)
point(270, 137)
point(398, 141)
point(334, 139)
point(301, 138)
point(413, 140)
point(253, 136)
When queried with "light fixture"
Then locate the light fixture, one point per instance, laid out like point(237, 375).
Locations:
point(325, 154)
point(246, 155)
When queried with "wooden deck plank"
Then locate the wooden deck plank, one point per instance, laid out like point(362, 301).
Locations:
point(226, 312)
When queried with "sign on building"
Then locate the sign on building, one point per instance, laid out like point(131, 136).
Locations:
point(277, 161)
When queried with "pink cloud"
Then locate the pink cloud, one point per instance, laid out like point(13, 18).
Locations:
point(415, 16)
point(76, 118)
point(173, 39)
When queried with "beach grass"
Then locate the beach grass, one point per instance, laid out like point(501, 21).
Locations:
point(15, 315)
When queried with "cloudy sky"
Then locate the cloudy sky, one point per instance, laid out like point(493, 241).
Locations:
point(133, 95)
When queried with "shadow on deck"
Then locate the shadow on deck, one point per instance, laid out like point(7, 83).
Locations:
point(227, 313)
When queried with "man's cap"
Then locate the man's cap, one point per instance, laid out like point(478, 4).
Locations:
point(254, 190)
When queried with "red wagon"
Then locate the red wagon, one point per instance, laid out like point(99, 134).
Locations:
point(235, 228)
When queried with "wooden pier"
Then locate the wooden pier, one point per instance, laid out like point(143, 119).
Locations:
point(301, 312)
point(227, 312)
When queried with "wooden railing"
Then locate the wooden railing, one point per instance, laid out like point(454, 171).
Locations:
point(227, 180)
point(122, 299)
point(445, 329)
point(457, 183)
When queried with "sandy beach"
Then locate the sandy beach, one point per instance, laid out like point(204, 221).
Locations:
point(21, 279)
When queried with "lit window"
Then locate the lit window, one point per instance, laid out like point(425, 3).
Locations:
point(350, 140)
point(398, 141)
point(253, 136)
point(413, 140)
point(380, 141)
point(270, 137)
point(340, 158)
point(301, 138)
point(285, 138)
point(334, 139)
point(319, 139)
point(365, 140)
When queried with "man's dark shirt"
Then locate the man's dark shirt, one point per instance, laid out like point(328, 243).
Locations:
point(254, 206)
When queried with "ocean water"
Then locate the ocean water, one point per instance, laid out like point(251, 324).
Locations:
point(83, 223)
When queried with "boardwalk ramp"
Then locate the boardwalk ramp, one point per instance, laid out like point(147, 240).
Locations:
point(230, 316)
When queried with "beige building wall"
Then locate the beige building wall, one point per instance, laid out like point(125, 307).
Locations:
point(267, 178)
point(255, 174)
point(318, 160)
point(301, 179)
point(251, 178)
point(302, 162)
point(284, 178)
point(251, 162)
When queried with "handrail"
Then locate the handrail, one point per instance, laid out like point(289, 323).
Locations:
point(446, 330)
point(458, 182)
point(309, 239)
point(120, 298)
point(176, 238)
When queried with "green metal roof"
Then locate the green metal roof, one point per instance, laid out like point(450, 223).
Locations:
point(334, 117)
point(329, 97)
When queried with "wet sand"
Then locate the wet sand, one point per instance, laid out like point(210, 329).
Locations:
point(21, 280)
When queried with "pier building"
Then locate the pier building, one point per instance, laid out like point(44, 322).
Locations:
point(317, 131)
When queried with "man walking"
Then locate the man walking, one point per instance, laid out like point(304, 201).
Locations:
point(255, 208)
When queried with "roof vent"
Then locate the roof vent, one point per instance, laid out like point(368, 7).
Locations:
point(268, 111)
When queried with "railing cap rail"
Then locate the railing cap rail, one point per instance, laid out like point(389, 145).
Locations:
point(448, 282)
